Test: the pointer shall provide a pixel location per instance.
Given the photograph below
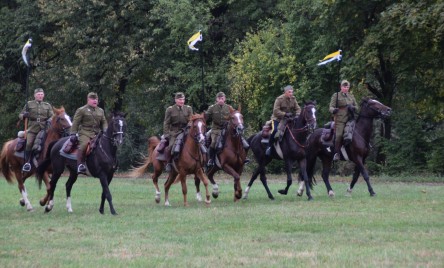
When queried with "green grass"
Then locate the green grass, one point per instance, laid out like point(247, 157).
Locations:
point(403, 226)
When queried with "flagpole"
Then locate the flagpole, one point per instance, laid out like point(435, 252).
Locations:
point(25, 56)
point(202, 98)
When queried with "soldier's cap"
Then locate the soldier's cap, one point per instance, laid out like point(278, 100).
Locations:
point(286, 88)
point(345, 83)
point(220, 95)
point(179, 95)
point(38, 90)
point(92, 95)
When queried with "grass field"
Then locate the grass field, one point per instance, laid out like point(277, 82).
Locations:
point(403, 226)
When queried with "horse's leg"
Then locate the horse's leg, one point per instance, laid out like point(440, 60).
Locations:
point(301, 184)
point(155, 177)
point(197, 184)
point(106, 194)
point(264, 182)
point(69, 183)
point(24, 201)
point(326, 167)
point(167, 185)
point(52, 186)
point(363, 170)
point(288, 167)
point(250, 183)
point(44, 200)
point(183, 182)
point(211, 173)
point(303, 168)
point(201, 175)
point(236, 177)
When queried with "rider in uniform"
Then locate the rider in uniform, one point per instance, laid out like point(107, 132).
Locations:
point(285, 106)
point(219, 113)
point(176, 118)
point(38, 112)
point(343, 106)
point(88, 121)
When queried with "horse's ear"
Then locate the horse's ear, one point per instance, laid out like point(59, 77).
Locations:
point(239, 108)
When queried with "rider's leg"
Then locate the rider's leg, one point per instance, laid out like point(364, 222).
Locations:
point(274, 129)
point(83, 143)
point(338, 141)
point(30, 137)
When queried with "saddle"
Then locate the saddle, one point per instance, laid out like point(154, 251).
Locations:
point(328, 133)
point(69, 149)
point(21, 142)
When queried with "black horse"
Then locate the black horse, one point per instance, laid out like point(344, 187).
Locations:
point(101, 163)
point(357, 150)
point(292, 146)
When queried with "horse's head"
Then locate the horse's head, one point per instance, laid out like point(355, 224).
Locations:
point(308, 116)
point(373, 108)
point(198, 127)
point(237, 122)
point(117, 128)
point(61, 122)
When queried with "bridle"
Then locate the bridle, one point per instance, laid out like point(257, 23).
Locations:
point(239, 126)
point(62, 131)
point(118, 133)
point(309, 126)
point(380, 113)
point(198, 135)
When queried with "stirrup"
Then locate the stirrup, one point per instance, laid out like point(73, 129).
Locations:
point(26, 167)
point(168, 167)
point(210, 163)
point(268, 151)
point(336, 157)
point(81, 169)
point(247, 160)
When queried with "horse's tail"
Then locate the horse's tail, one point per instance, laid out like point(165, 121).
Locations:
point(139, 171)
point(44, 164)
point(4, 165)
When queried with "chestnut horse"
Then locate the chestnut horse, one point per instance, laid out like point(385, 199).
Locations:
point(357, 150)
point(292, 146)
point(11, 164)
point(191, 159)
point(232, 157)
point(101, 163)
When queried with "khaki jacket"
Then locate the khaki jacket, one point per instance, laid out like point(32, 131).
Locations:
point(283, 105)
point(39, 112)
point(89, 121)
point(344, 99)
point(176, 118)
point(219, 114)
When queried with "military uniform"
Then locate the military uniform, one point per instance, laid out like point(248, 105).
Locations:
point(88, 122)
point(39, 113)
point(345, 100)
point(219, 114)
point(176, 118)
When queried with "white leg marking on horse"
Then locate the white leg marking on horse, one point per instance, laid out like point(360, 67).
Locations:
point(215, 188)
point(167, 203)
point(68, 205)
point(247, 190)
point(50, 204)
point(25, 198)
point(331, 193)
point(301, 188)
point(199, 197)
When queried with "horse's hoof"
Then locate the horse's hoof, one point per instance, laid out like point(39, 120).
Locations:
point(30, 209)
point(373, 194)
point(310, 198)
point(47, 209)
point(114, 213)
point(215, 195)
point(42, 202)
point(271, 197)
point(157, 200)
point(101, 211)
point(299, 193)
point(331, 194)
point(22, 202)
point(282, 192)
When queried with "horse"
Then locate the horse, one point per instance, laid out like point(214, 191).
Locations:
point(11, 164)
point(190, 160)
point(292, 145)
point(357, 150)
point(101, 163)
point(231, 159)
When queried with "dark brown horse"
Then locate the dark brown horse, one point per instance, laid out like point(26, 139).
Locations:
point(190, 160)
point(232, 157)
point(357, 150)
point(11, 164)
point(292, 147)
point(101, 163)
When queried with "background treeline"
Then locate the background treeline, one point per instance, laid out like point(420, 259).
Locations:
point(134, 54)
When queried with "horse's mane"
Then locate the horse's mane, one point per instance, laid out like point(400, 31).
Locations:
point(58, 111)
point(197, 116)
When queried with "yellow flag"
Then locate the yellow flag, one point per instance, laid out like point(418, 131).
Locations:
point(331, 57)
point(194, 39)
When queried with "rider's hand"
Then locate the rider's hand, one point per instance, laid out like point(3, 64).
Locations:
point(335, 110)
point(351, 108)
point(73, 138)
point(25, 114)
point(288, 114)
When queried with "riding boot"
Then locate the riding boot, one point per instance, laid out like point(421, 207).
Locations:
point(270, 143)
point(27, 166)
point(211, 157)
point(245, 143)
point(338, 146)
point(81, 168)
point(168, 160)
